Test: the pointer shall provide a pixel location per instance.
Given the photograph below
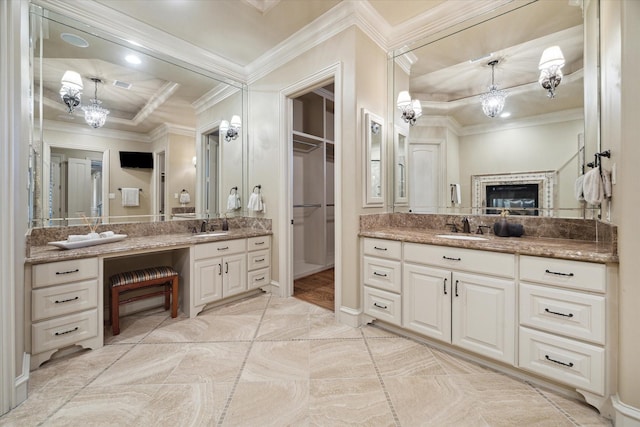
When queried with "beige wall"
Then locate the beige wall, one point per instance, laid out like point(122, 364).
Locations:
point(620, 130)
point(181, 174)
point(357, 56)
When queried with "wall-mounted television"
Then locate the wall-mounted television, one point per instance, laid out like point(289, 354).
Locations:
point(134, 159)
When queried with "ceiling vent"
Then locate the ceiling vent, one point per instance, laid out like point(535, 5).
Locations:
point(121, 84)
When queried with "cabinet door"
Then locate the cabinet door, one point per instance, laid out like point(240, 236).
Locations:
point(426, 301)
point(483, 315)
point(235, 274)
point(208, 283)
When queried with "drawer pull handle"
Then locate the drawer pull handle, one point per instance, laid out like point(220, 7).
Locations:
point(223, 249)
point(570, 364)
point(445, 286)
point(375, 273)
point(219, 269)
point(375, 304)
point(260, 260)
point(68, 272)
point(259, 243)
point(226, 268)
point(451, 259)
point(259, 279)
point(457, 287)
point(558, 313)
point(67, 332)
point(558, 274)
point(66, 300)
point(380, 249)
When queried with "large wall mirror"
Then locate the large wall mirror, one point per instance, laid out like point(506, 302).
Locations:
point(452, 156)
point(173, 132)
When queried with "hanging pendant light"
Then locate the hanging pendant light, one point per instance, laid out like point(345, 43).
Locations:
point(94, 114)
point(493, 101)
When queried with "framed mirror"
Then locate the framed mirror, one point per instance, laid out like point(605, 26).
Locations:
point(156, 120)
point(374, 168)
point(400, 144)
point(538, 139)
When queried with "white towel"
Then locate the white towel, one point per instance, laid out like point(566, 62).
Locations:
point(130, 197)
point(78, 237)
point(455, 194)
point(106, 234)
point(579, 188)
point(185, 198)
point(233, 202)
point(606, 182)
point(255, 202)
point(593, 187)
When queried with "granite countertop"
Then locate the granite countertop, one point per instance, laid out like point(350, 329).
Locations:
point(579, 250)
point(48, 253)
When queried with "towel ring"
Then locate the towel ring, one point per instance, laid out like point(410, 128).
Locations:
point(233, 189)
point(259, 187)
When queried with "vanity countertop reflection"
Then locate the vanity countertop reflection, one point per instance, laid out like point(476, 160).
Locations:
point(48, 253)
point(579, 250)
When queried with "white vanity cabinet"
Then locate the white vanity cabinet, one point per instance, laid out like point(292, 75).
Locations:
point(382, 277)
point(564, 321)
point(65, 299)
point(461, 296)
point(220, 270)
point(258, 261)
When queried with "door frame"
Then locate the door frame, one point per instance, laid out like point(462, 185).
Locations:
point(332, 73)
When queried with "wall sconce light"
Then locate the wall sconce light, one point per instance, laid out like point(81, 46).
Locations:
point(194, 161)
point(411, 109)
point(94, 114)
point(493, 101)
point(71, 90)
point(550, 66)
point(230, 130)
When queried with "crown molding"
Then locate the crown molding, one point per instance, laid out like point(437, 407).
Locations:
point(540, 120)
point(169, 128)
point(156, 100)
point(219, 93)
point(129, 29)
point(85, 130)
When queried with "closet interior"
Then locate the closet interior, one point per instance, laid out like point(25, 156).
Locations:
point(313, 182)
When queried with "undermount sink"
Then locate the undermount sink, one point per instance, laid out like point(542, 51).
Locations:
point(460, 237)
point(213, 234)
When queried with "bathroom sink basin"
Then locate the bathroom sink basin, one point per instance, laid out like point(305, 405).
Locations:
point(213, 234)
point(460, 237)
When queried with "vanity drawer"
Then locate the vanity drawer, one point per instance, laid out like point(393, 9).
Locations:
point(574, 314)
point(259, 278)
point(587, 276)
point(389, 249)
point(63, 299)
point(383, 274)
point(258, 259)
point(484, 262)
point(571, 362)
point(383, 305)
point(73, 270)
point(64, 331)
point(214, 249)
point(258, 243)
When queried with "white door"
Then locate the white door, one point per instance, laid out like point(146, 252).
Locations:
point(79, 188)
point(483, 315)
point(424, 177)
point(426, 301)
point(209, 273)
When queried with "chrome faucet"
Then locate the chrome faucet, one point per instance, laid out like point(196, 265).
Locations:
point(466, 228)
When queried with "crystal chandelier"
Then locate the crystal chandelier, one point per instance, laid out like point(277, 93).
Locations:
point(94, 114)
point(493, 101)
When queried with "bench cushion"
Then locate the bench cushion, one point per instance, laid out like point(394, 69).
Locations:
point(142, 275)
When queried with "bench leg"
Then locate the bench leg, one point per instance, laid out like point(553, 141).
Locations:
point(167, 295)
point(115, 310)
point(174, 297)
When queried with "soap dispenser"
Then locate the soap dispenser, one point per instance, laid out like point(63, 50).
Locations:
point(501, 227)
point(225, 224)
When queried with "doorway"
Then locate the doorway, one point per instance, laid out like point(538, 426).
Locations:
point(425, 175)
point(313, 154)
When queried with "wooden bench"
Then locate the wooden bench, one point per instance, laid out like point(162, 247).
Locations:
point(128, 281)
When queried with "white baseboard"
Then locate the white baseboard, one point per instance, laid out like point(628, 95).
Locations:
point(21, 383)
point(350, 316)
point(626, 416)
point(273, 288)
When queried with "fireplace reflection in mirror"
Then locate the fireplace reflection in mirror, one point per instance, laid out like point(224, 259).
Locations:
point(518, 199)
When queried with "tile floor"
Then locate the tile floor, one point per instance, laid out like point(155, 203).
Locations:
point(266, 361)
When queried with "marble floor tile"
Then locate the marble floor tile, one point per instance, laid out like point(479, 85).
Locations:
point(268, 361)
point(404, 357)
point(340, 359)
point(269, 403)
point(349, 402)
point(284, 327)
point(277, 360)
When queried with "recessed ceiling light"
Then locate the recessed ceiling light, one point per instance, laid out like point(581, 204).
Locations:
point(74, 40)
point(505, 114)
point(132, 59)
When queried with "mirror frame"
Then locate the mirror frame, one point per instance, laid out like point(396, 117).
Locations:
point(369, 120)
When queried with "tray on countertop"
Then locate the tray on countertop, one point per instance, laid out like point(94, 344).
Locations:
point(65, 244)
